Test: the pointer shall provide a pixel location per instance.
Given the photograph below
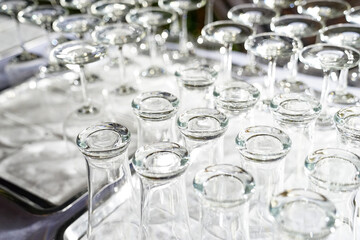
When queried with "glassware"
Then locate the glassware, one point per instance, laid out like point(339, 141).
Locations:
point(302, 215)
point(335, 173)
point(151, 18)
point(299, 26)
point(161, 167)
point(225, 192)
point(329, 58)
point(104, 147)
point(271, 46)
point(119, 34)
point(343, 35)
point(111, 11)
point(348, 129)
point(12, 8)
point(155, 112)
point(226, 33)
point(296, 114)
point(81, 5)
point(195, 87)
point(252, 15)
point(76, 54)
point(323, 10)
point(182, 7)
point(353, 15)
point(203, 130)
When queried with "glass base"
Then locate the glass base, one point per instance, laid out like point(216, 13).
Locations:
point(153, 72)
point(123, 90)
point(88, 110)
point(52, 68)
point(248, 71)
point(325, 121)
point(176, 56)
point(354, 77)
point(296, 86)
point(113, 65)
point(25, 56)
point(342, 98)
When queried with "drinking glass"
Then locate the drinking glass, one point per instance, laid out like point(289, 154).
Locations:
point(76, 54)
point(299, 26)
point(348, 129)
point(302, 215)
point(81, 5)
point(195, 87)
point(224, 192)
point(252, 15)
point(329, 58)
point(271, 46)
point(151, 18)
point(161, 168)
point(155, 112)
point(12, 8)
point(343, 35)
point(181, 7)
point(119, 34)
point(226, 33)
point(262, 150)
point(202, 130)
point(296, 114)
point(104, 147)
point(335, 173)
point(323, 10)
point(111, 11)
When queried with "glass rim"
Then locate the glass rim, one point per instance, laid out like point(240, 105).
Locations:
point(341, 2)
point(204, 177)
point(93, 7)
point(118, 146)
point(323, 31)
point(74, 17)
point(315, 160)
point(150, 9)
point(193, 81)
point(340, 122)
point(28, 9)
point(265, 7)
point(261, 130)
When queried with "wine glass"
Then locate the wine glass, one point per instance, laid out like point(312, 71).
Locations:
point(343, 35)
point(226, 33)
point(76, 54)
point(323, 10)
point(111, 11)
point(182, 7)
point(12, 8)
point(299, 26)
point(151, 18)
point(329, 58)
point(271, 46)
point(252, 15)
point(119, 34)
point(80, 5)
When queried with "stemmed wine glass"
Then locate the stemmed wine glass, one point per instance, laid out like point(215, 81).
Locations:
point(182, 7)
point(151, 18)
point(12, 8)
point(252, 15)
point(299, 26)
point(111, 11)
point(226, 33)
point(329, 58)
point(271, 46)
point(119, 34)
point(343, 35)
point(323, 10)
point(76, 54)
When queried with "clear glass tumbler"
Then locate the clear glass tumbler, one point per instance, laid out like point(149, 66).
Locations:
point(302, 215)
point(112, 204)
point(164, 213)
point(225, 192)
point(263, 149)
point(335, 173)
point(155, 112)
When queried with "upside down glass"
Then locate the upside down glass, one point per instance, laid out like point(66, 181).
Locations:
point(224, 192)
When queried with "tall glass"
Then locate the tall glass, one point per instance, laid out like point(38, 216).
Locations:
point(225, 192)
point(329, 58)
point(252, 15)
point(263, 149)
point(155, 112)
point(161, 168)
point(303, 215)
point(335, 173)
point(104, 147)
point(226, 33)
point(296, 114)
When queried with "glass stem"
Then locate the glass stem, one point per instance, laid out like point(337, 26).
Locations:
point(209, 9)
point(341, 88)
point(294, 67)
point(227, 64)
point(184, 33)
point(325, 91)
point(84, 85)
point(152, 43)
point(121, 64)
point(270, 82)
point(18, 32)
